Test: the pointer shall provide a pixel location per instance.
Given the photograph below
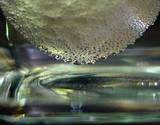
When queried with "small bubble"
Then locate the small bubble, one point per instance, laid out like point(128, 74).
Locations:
point(11, 44)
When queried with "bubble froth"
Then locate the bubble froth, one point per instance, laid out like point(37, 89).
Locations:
point(81, 31)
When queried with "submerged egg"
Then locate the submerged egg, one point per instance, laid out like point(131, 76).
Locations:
point(81, 31)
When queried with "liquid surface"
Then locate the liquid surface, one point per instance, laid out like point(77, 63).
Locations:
point(81, 31)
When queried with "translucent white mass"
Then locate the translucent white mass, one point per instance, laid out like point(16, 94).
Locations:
point(81, 31)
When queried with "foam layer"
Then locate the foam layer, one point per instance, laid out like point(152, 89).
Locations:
point(81, 31)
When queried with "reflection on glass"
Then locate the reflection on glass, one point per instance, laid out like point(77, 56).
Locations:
point(124, 90)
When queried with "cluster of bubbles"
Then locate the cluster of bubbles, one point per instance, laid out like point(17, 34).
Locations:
point(81, 31)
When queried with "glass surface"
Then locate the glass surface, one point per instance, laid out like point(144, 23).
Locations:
point(125, 90)
point(36, 89)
